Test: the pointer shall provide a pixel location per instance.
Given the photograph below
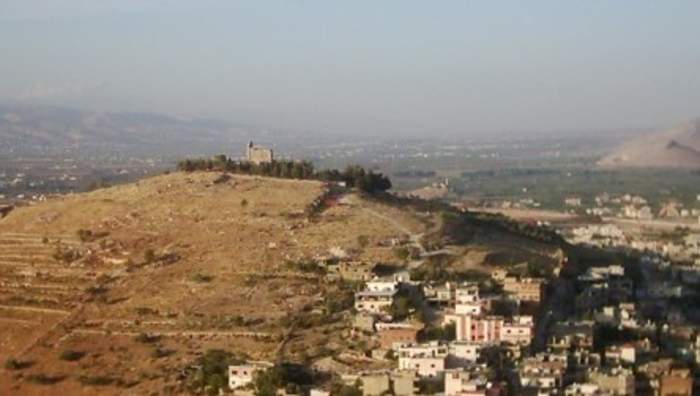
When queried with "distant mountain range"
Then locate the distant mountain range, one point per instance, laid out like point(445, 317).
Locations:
point(25, 128)
point(678, 147)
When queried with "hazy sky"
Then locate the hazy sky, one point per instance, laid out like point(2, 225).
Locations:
point(372, 67)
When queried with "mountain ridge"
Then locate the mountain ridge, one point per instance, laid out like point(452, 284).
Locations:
point(33, 127)
point(678, 147)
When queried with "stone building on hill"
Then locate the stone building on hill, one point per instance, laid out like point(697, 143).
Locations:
point(259, 154)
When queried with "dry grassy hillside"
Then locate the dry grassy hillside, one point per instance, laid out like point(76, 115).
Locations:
point(197, 260)
point(119, 290)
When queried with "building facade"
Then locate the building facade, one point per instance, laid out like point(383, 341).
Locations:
point(258, 154)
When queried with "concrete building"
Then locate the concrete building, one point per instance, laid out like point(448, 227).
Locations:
point(398, 383)
point(463, 382)
point(565, 335)
point(428, 360)
point(621, 354)
point(519, 331)
point(584, 389)
point(375, 384)
point(467, 300)
point(463, 353)
point(258, 154)
point(525, 289)
point(404, 383)
point(492, 329)
point(375, 302)
point(382, 285)
point(440, 295)
point(353, 270)
point(543, 372)
point(482, 330)
point(617, 381)
point(241, 375)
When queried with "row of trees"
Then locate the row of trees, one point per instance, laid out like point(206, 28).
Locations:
point(353, 176)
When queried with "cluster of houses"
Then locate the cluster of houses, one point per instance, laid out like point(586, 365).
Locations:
point(454, 361)
point(617, 334)
point(683, 246)
point(457, 361)
point(606, 330)
point(633, 207)
point(616, 345)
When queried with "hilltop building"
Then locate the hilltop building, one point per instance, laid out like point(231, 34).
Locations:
point(259, 154)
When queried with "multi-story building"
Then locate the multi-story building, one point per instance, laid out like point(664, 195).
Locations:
point(258, 154)
point(526, 289)
point(463, 353)
point(617, 381)
point(621, 354)
point(518, 331)
point(377, 297)
point(565, 335)
point(467, 300)
point(543, 372)
point(428, 360)
point(375, 302)
point(492, 329)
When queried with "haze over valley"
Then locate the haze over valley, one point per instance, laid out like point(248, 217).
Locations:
point(313, 198)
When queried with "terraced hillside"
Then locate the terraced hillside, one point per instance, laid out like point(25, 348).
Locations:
point(120, 290)
point(139, 280)
point(36, 292)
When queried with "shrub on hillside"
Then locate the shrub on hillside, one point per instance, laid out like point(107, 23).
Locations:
point(15, 364)
point(45, 379)
point(99, 380)
point(72, 356)
point(146, 338)
point(308, 266)
point(202, 278)
point(212, 371)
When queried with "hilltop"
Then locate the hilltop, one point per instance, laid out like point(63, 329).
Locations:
point(678, 147)
point(125, 287)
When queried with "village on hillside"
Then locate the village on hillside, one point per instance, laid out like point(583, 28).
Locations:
point(616, 329)
point(444, 301)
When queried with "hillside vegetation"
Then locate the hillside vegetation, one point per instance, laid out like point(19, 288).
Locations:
point(128, 287)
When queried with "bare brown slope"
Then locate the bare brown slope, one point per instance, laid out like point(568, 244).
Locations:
point(675, 148)
point(196, 259)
